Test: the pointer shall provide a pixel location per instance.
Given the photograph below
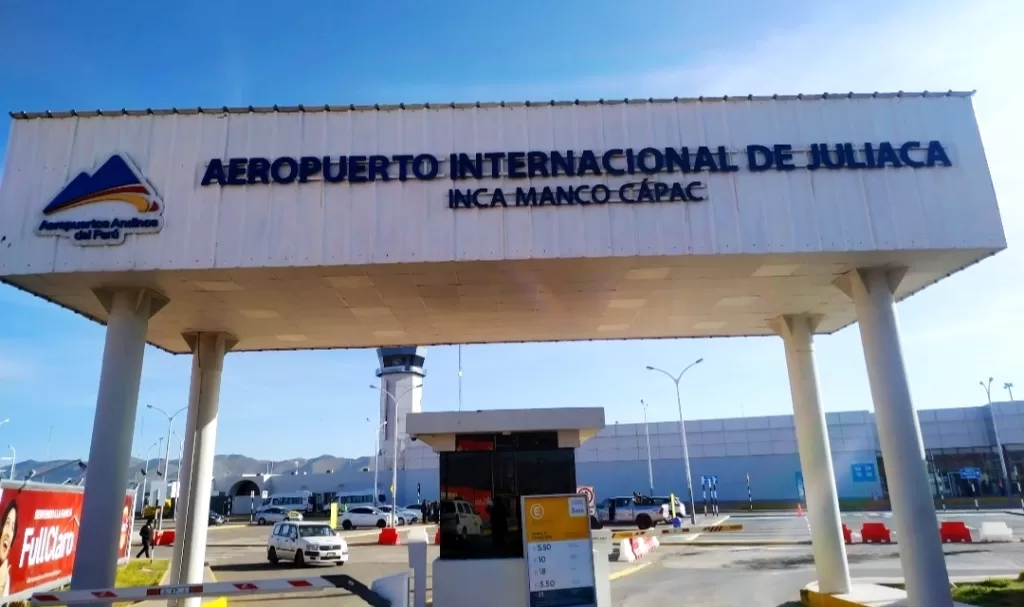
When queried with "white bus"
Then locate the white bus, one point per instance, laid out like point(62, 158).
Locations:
point(293, 500)
point(359, 498)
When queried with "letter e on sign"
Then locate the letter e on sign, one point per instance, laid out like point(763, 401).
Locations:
point(577, 506)
point(537, 511)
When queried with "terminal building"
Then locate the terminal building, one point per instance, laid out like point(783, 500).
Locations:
point(958, 441)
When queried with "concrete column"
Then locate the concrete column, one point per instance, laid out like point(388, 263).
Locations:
point(815, 454)
point(899, 432)
point(191, 516)
point(128, 314)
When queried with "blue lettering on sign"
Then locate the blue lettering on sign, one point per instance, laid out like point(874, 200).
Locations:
point(863, 473)
point(648, 161)
point(970, 473)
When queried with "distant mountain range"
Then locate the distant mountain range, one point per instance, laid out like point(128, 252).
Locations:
point(59, 471)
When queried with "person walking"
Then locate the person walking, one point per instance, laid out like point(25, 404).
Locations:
point(146, 533)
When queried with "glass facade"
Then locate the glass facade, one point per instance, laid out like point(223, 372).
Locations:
point(945, 465)
point(482, 482)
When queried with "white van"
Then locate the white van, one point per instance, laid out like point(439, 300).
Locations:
point(353, 499)
point(301, 501)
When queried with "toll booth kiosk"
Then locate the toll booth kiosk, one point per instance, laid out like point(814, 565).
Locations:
point(489, 460)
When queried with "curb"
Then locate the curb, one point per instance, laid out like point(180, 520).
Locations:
point(811, 598)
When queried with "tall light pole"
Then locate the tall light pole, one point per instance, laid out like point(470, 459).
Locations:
point(376, 453)
point(995, 434)
point(1009, 388)
point(682, 431)
point(394, 439)
point(167, 457)
point(145, 475)
point(647, 433)
point(181, 455)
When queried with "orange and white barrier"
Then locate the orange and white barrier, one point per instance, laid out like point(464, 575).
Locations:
point(634, 548)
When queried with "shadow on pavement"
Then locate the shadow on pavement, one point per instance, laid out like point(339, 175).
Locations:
point(250, 567)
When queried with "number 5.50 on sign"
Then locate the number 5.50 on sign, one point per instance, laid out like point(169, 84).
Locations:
point(559, 552)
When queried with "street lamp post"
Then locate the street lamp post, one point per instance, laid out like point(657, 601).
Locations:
point(394, 462)
point(1009, 388)
point(13, 459)
point(376, 453)
point(682, 431)
point(167, 457)
point(145, 475)
point(995, 434)
point(647, 433)
point(181, 455)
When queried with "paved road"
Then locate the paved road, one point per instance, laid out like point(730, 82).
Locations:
point(239, 554)
point(790, 527)
point(772, 576)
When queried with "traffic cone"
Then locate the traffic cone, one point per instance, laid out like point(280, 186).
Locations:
point(799, 510)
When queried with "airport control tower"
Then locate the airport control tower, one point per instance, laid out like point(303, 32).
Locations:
point(401, 376)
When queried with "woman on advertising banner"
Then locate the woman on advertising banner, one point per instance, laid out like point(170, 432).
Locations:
point(8, 531)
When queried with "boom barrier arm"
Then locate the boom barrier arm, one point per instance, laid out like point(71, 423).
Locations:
point(213, 589)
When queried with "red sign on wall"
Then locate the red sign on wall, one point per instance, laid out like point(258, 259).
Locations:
point(39, 527)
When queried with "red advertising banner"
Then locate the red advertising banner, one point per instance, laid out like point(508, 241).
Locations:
point(39, 534)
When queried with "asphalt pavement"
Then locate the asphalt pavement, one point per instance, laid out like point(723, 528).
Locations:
point(772, 576)
point(685, 570)
point(786, 527)
point(237, 553)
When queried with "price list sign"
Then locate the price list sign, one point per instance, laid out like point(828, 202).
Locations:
point(559, 551)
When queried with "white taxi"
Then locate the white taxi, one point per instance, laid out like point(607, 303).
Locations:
point(306, 543)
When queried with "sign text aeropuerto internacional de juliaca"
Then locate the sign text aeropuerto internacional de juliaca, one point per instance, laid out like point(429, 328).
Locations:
point(647, 162)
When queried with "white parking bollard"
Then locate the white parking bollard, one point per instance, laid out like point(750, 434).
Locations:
point(997, 531)
point(417, 541)
point(626, 552)
point(394, 588)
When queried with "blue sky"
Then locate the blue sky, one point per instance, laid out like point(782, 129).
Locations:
point(113, 54)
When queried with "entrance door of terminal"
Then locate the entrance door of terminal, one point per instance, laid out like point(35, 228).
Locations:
point(482, 481)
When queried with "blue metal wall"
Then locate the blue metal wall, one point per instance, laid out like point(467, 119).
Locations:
point(772, 477)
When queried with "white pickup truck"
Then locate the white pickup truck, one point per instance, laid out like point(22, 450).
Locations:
point(643, 511)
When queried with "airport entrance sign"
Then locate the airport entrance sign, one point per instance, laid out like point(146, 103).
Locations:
point(559, 551)
point(970, 473)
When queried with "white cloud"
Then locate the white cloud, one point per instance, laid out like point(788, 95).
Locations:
point(13, 369)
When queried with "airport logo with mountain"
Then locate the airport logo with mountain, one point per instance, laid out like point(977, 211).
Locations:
point(104, 206)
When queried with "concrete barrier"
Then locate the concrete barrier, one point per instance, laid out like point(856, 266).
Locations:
point(995, 531)
point(394, 588)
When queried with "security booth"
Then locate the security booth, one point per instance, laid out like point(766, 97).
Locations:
point(490, 461)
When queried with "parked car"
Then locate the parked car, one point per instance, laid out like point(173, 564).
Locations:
point(217, 519)
point(411, 515)
point(366, 516)
point(273, 514)
point(387, 509)
point(405, 516)
point(306, 543)
point(458, 518)
point(417, 510)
